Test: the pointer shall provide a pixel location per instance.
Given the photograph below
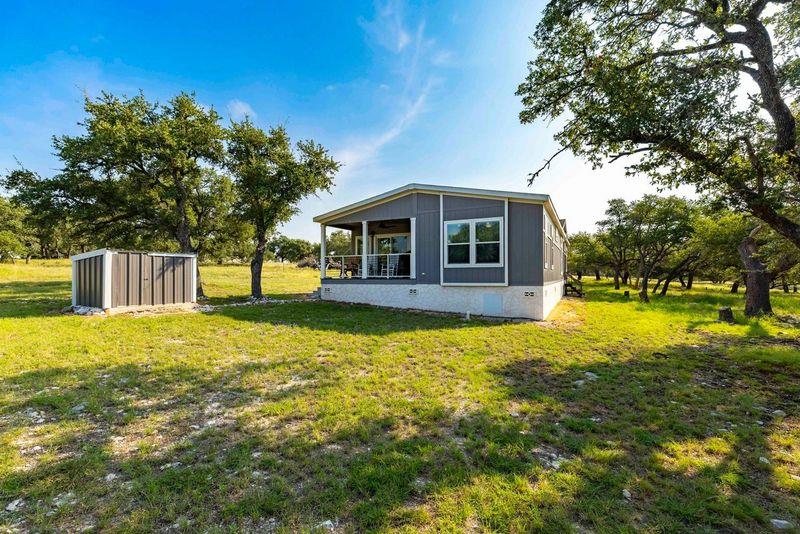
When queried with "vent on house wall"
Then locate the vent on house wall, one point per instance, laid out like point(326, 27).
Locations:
point(326, 289)
point(492, 304)
point(529, 293)
point(412, 291)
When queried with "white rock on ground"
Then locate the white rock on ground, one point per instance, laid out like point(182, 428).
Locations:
point(627, 494)
point(763, 460)
point(64, 498)
point(779, 413)
point(13, 506)
point(781, 524)
point(327, 525)
point(86, 310)
point(591, 376)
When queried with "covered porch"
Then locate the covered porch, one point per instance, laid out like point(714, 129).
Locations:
point(378, 249)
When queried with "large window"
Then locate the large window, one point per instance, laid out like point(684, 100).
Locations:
point(475, 242)
point(393, 244)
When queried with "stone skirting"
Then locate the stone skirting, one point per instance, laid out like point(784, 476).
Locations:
point(530, 302)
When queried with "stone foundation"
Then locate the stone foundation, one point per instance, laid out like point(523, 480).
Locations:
point(529, 302)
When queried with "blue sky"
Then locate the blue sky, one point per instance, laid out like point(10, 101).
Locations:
point(399, 92)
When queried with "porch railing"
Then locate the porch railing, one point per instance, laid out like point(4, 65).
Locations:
point(378, 266)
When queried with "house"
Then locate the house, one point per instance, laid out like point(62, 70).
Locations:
point(450, 249)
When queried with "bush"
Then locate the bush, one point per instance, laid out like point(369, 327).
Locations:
point(309, 261)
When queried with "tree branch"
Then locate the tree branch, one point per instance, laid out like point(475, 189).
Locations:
point(532, 176)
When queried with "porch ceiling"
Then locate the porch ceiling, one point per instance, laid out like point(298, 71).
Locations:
point(389, 226)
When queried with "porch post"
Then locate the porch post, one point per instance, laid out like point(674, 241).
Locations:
point(322, 268)
point(413, 247)
point(364, 246)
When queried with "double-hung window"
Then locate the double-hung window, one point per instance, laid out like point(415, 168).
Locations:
point(474, 243)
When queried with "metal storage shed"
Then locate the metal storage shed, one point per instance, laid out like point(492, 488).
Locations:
point(110, 279)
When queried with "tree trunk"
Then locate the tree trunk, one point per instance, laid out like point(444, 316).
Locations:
point(757, 298)
point(616, 278)
point(643, 296)
point(256, 266)
point(658, 283)
point(597, 274)
point(735, 286)
point(644, 275)
point(665, 288)
point(580, 275)
point(626, 277)
point(690, 280)
point(785, 285)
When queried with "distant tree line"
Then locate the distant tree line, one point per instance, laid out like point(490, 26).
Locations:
point(144, 175)
point(656, 242)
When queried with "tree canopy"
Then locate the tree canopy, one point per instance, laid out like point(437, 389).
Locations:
point(271, 178)
point(285, 248)
point(703, 92)
point(169, 176)
point(15, 238)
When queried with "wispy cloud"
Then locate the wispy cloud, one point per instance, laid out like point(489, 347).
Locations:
point(442, 57)
point(388, 28)
point(238, 110)
point(362, 151)
point(412, 59)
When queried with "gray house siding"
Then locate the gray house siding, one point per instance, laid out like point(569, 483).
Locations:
point(525, 244)
point(399, 208)
point(427, 239)
point(457, 208)
point(553, 273)
point(525, 238)
point(475, 275)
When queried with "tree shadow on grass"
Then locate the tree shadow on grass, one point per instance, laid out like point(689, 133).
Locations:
point(691, 426)
point(30, 299)
point(133, 448)
point(263, 444)
point(350, 318)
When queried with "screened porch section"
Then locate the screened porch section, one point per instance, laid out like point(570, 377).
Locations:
point(377, 249)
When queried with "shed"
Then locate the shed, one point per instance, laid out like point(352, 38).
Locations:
point(115, 279)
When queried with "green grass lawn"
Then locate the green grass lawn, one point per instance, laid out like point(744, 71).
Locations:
point(310, 415)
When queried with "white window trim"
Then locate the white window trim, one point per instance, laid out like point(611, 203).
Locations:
point(472, 243)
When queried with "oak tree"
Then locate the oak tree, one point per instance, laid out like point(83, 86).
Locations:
point(703, 92)
point(272, 177)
